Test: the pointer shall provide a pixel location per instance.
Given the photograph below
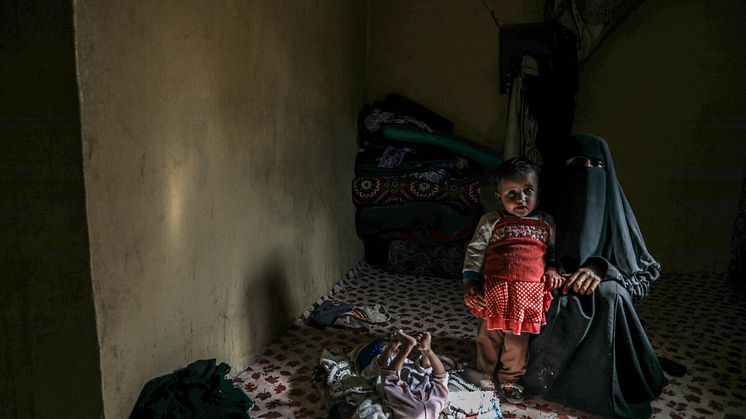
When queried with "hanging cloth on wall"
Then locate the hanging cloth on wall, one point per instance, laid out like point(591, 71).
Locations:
point(520, 138)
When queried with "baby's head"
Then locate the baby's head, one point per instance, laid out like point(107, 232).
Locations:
point(517, 184)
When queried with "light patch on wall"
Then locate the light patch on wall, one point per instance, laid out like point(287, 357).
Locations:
point(175, 207)
point(179, 184)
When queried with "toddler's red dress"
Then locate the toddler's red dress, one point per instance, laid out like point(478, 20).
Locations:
point(515, 297)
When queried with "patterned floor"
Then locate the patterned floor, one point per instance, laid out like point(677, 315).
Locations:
point(691, 319)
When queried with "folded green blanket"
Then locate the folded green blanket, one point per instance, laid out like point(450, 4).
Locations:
point(469, 149)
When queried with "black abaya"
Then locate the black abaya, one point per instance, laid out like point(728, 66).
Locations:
point(593, 353)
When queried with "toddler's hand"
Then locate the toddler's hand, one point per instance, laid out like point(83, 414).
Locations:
point(473, 296)
point(552, 279)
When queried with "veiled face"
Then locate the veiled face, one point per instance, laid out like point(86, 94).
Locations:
point(581, 217)
point(581, 161)
point(520, 194)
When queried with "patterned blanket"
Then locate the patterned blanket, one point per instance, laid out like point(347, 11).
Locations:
point(370, 190)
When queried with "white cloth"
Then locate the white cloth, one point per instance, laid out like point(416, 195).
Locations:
point(370, 410)
point(520, 137)
point(466, 399)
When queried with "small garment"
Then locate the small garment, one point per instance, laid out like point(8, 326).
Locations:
point(378, 117)
point(326, 313)
point(392, 157)
point(376, 314)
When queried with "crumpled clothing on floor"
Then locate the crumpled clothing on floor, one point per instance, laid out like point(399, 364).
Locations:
point(199, 390)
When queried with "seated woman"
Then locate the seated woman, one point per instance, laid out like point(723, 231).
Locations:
point(593, 353)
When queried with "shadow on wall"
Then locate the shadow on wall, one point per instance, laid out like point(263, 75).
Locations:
point(737, 265)
point(269, 306)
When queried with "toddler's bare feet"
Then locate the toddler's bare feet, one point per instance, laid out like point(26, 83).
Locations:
point(408, 341)
point(423, 341)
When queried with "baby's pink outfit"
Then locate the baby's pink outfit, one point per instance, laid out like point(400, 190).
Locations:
point(408, 399)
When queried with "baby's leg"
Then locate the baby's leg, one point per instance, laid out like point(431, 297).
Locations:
point(388, 351)
point(423, 345)
point(407, 343)
point(429, 357)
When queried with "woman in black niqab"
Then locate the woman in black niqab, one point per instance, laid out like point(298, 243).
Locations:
point(593, 353)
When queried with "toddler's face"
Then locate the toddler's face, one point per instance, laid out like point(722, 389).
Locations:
point(519, 195)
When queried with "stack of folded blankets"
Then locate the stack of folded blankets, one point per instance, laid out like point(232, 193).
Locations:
point(416, 188)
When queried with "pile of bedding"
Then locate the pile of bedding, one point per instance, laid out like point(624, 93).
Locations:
point(416, 188)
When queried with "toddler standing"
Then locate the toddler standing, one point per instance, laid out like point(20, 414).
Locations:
point(508, 274)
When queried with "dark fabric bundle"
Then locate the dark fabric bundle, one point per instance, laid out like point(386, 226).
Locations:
point(199, 390)
point(398, 104)
point(444, 261)
point(416, 186)
point(422, 222)
point(325, 314)
point(421, 159)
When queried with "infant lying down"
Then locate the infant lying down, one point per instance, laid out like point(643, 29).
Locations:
point(405, 399)
point(378, 380)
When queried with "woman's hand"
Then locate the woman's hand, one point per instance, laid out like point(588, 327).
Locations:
point(552, 279)
point(584, 281)
point(473, 296)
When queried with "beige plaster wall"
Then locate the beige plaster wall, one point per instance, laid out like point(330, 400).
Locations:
point(219, 141)
point(444, 55)
point(49, 364)
point(667, 91)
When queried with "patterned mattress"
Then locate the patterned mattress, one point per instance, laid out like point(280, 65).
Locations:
point(371, 190)
point(681, 318)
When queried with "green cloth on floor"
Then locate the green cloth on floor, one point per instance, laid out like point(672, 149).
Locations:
point(200, 390)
